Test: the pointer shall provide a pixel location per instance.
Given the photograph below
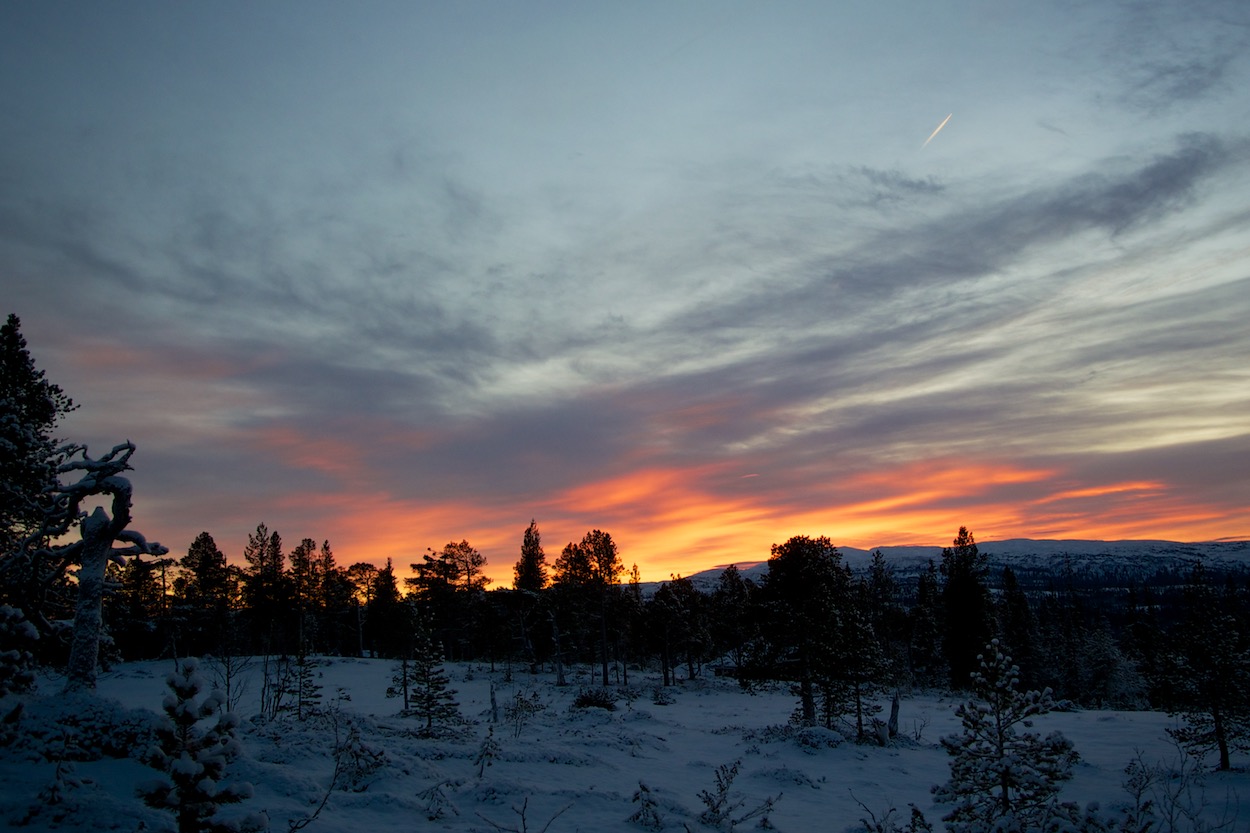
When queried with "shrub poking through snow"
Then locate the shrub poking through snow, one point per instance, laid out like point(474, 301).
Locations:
point(437, 802)
point(721, 810)
point(999, 775)
point(192, 757)
point(360, 760)
point(521, 710)
point(648, 813)
point(595, 698)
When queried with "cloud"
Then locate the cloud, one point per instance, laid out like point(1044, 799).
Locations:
point(1170, 56)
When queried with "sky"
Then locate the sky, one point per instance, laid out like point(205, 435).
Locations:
point(699, 274)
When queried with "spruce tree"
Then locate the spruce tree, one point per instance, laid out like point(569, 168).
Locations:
point(1002, 778)
point(966, 606)
point(431, 700)
point(531, 569)
point(30, 408)
point(192, 758)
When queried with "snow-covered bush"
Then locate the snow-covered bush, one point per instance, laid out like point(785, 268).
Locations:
point(1002, 778)
point(81, 727)
point(360, 760)
point(192, 757)
point(16, 660)
point(595, 698)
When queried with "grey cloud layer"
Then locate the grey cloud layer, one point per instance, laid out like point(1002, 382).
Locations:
point(496, 299)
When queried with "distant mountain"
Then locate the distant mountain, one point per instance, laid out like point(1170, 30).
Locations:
point(1127, 560)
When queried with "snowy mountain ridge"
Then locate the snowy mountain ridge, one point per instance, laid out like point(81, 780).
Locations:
point(1133, 559)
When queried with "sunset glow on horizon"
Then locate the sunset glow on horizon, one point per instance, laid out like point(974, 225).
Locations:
point(394, 275)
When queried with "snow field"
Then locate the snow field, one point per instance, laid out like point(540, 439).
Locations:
point(585, 765)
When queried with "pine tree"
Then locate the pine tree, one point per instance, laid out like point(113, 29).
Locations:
point(266, 590)
point(924, 645)
point(305, 587)
point(966, 606)
point(306, 691)
point(430, 698)
point(531, 569)
point(30, 408)
point(802, 601)
point(1205, 674)
point(999, 775)
point(193, 758)
point(732, 628)
point(1017, 624)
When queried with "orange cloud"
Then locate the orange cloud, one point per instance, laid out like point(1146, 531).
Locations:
point(670, 520)
point(327, 455)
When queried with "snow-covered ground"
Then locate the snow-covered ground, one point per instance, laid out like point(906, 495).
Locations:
point(585, 765)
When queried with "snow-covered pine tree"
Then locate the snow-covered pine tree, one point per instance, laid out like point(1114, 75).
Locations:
point(488, 753)
point(192, 758)
point(999, 775)
point(430, 699)
point(648, 813)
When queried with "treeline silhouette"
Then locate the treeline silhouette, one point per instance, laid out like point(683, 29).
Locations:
point(843, 638)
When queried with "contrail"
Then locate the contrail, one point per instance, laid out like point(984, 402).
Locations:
point(936, 131)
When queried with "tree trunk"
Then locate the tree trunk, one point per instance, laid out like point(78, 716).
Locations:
point(859, 712)
point(806, 694)
point(603, 634)
point(557, 658)
point(84, 654)
point(1221, 738)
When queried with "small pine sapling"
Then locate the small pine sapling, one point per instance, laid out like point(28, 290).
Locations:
point(192, 758)
point(648, 813)
point(488, 753)
point(437, 803)
point(360, 760)
point(430, 697)
point(305, 690)
point(1000, 775)
point(56, 800)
